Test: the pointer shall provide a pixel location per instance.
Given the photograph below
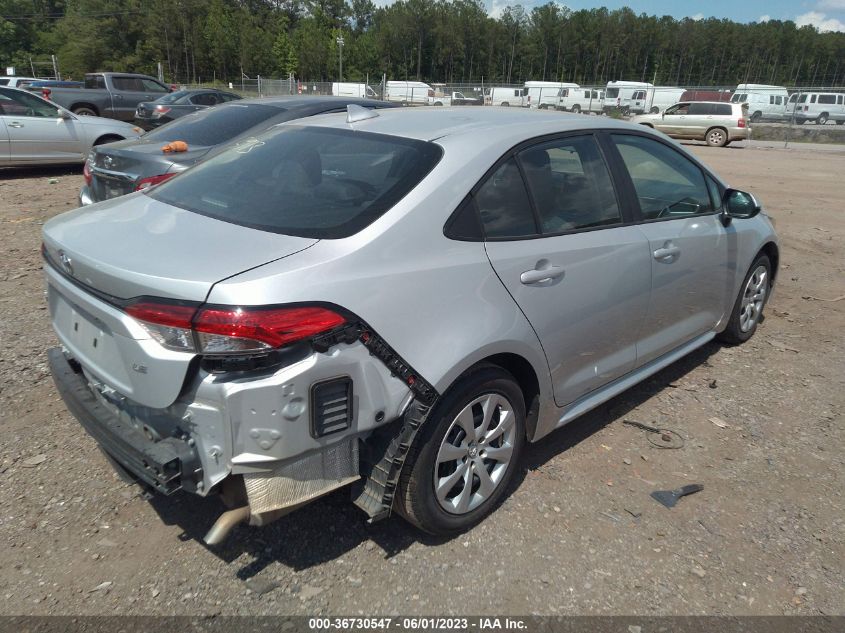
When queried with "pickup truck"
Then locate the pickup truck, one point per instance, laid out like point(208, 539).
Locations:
point(455, 99)
point(113, 95)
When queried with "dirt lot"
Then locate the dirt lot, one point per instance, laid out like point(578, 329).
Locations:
point(764, 429)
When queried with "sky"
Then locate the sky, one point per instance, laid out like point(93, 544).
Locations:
point(825, 15)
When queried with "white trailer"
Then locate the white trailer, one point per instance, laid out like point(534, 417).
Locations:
point(409, 92)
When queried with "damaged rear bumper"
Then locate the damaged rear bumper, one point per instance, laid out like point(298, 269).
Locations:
point(166, 466)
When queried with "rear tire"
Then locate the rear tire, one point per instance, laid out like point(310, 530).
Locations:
point(756, 117)
point(747, 311)
point(822, 118)
point(716, 137)
point(654, 110)
point(441, 490)
point(506, 104)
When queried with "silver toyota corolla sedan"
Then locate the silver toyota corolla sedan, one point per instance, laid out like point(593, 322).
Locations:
point(34, 131)
point(397, 301)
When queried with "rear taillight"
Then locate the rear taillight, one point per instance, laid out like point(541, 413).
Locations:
point(740, 123)
point(86, 172)
point(152, 181)
point(230, 330)
point(160, 111)
point(806, 108)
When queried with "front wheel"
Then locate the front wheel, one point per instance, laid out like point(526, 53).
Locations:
point(716, 137)
point(756, 117)
point(85, 111)
point(748, 309)
point(466, 454)
point(822, 118)
point(654, 110)
point(576, 109)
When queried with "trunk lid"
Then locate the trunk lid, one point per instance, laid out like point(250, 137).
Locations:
point(137, 246)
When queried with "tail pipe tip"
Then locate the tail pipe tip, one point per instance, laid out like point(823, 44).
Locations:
point(224, 524)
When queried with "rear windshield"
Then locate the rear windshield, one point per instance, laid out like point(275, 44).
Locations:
point(304, 181)
point(215, 125)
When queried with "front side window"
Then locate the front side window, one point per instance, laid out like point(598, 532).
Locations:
point(678, 108)
point(667, 183)
point(304, 181)
point(570, 185)
point(503, 204)
point(15, 103)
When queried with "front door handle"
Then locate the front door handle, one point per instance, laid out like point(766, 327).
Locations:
point(667, 253)
point(15, 124)
point(539, 275)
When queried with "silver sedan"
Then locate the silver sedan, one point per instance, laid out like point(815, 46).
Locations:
point(398, 300)
point(34, 131)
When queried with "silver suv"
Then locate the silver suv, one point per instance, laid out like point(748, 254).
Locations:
point(716, 122)
point(396, 300)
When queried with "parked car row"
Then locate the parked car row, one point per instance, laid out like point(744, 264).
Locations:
point(341, 292)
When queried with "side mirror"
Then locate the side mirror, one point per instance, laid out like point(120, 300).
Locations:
point(738, 204)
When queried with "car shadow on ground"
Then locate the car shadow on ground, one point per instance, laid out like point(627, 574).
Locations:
point(40, 171)
point(331, 527)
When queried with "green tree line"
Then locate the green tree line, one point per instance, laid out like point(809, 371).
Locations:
point(453, 41)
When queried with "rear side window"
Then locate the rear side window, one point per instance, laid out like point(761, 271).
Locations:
point(827, 99)
point(722, 109)
point(95, 82)
point(700, 108)
point(205, 98)
point(310, 182)
point(667, 183)
point(570, 185)
point(127, 84)
point(215, 125)
point(4, 82)
point(503, 204)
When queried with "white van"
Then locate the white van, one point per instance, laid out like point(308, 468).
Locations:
point(764, 102)
point(639, 97)
point(409, 92)
point(545, 94)
point(581, 100)
point(343, 89)
point(820, 107)
point(499, 96)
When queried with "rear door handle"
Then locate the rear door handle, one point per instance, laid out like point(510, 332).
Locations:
point(539, 275)
point(668, 252)
point(15, 124)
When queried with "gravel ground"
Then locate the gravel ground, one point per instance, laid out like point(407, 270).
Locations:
point(579, 535)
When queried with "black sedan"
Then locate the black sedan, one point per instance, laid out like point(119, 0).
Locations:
point(119, 168)
point(152, 114)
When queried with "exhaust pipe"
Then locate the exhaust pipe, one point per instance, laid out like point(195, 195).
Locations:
point(224, 524)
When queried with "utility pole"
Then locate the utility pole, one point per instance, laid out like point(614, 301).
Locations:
point(339, 41)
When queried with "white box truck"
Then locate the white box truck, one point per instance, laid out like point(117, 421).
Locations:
point(767, 103)
point(345, 89)
point(409, 92)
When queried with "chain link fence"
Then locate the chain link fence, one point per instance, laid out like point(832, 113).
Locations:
point(774, 113)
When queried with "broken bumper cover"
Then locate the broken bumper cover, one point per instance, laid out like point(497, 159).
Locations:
point(166, 466)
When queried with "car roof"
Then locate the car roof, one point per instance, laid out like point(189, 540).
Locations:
point(487, 126)
point(303, 101)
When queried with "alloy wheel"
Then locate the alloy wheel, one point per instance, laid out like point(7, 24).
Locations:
point(475, 453)
point(753, 298)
